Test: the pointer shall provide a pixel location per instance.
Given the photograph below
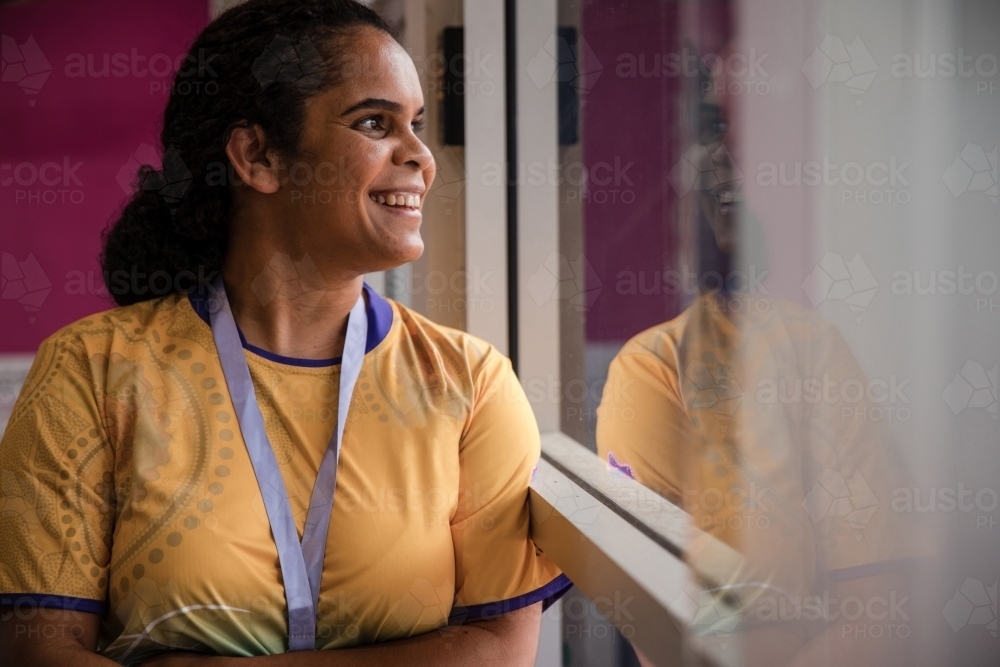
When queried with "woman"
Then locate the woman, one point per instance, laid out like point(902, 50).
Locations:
point(170, 466)
point(751, 413)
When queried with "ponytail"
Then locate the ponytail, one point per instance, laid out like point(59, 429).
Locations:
point(256, 64)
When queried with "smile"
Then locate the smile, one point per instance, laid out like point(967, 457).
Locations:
point(396, 199)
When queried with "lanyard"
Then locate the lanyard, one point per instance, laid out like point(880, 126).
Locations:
point(301, 563)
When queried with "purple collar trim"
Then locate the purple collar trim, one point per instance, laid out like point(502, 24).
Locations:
point(379, 323)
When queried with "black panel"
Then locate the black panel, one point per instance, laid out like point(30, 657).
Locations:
point(453, 87)
point(569, 99)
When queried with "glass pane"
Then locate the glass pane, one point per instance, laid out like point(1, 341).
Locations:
point(778, 226)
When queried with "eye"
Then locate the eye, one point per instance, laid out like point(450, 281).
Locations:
point(371, 123)
point(418, 124)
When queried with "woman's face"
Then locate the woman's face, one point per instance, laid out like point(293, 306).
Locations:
point(355, 192)
point(720, 203)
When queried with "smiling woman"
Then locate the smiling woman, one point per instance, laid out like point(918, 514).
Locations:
point(274, 459)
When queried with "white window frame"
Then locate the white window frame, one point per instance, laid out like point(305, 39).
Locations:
point(608, 533)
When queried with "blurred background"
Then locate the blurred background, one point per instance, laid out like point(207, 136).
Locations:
point(836, 160)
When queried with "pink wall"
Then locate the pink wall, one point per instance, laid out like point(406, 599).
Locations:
point(629, 120)
point(634, 116)
point(63, 145)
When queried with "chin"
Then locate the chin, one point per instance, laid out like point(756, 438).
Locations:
point(398, 254)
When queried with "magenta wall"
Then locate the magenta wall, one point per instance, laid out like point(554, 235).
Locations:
point(636, 119)
point(62, 147)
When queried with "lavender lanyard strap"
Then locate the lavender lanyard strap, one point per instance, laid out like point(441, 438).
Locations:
point(301, 563)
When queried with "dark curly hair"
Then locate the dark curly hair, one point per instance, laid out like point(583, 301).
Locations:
point(256, 64)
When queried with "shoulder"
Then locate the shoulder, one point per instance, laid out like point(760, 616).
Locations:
point(447, 350)
point(76, 368)
point(658, 343)
point(125, 326)
point(122, 345)
point(792, 317)
point(798, 333)
point(437, 371)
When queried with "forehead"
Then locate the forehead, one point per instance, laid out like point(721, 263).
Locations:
point(373, 64)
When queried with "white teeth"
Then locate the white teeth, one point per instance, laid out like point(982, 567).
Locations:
point(408, 201)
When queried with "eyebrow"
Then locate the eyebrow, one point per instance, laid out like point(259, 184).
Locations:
point(378, 103)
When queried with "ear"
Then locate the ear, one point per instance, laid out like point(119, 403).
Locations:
point(253, 163)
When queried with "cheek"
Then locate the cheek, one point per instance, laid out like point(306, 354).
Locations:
point(364, 175)
point(344, 168)
point(365, 164)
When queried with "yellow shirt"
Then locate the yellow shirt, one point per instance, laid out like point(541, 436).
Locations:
point(754, 423)
point(127, 489)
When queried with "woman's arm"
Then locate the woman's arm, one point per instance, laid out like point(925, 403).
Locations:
point(51, 638)
point(510, 639)
point(70, 638)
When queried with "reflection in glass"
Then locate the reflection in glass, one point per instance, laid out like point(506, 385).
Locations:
point(742, 410)
point(784, 309)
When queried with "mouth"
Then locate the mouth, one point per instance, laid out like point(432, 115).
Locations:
point(398, 201)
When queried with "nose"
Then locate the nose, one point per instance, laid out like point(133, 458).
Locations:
point(412, 152)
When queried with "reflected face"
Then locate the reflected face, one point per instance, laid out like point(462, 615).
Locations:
point(362, 171)
point(720, 202)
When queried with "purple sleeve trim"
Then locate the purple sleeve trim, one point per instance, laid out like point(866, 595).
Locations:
point(614, 464)
point(22, 601)
point(547, 595)
point(565, 585)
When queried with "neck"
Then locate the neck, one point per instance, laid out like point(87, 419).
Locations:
point(286, 304)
